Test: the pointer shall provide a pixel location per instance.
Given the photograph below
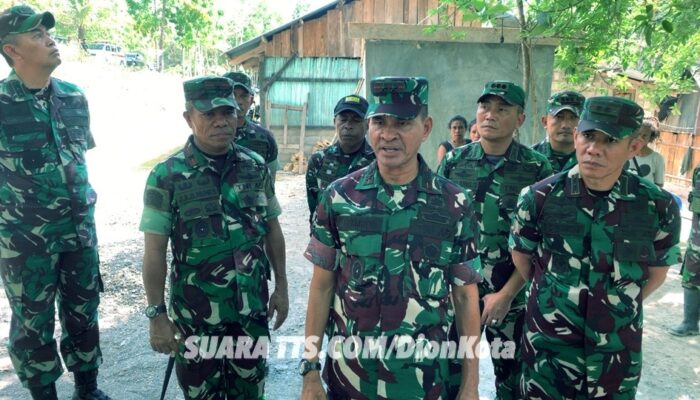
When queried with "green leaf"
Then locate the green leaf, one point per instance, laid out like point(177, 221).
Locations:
point(667, 25)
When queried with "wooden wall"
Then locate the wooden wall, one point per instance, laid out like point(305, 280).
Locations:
point(327, 36)
point(673, 147)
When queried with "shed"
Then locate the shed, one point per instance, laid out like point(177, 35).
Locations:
point(331, 52)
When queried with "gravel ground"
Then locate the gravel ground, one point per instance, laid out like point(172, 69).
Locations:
point(137, 116)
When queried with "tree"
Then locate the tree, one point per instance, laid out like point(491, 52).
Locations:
point(660, 38)
point(301, 7)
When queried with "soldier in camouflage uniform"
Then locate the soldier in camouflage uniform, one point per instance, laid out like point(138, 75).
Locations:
point(250, 134)
point(494, 169)
point(404, 240)
point(596, 241)
point(563, 111)
point(350, 153)
point(214, 201)
point(48, 243)
point(691, 268)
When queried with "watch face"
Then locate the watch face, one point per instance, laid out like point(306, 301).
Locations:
point(302, 366)
point(150, 311)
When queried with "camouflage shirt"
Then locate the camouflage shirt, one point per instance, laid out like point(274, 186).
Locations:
point(216, 222)
point(46, 200)
point(591, 258)
point(691, 262)
point(495, 189)
point(398, 248)
point(559, 161)
point(329, 164)
point(254, 137)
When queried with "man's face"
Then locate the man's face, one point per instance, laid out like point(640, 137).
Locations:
point(36, 48)
point(474, 133)
point(602, 157)
point(396, 141)
point(244, 100)
point(457, 130)
point(560, 127)
point(497, 120)
point(213, 130)
point(351, 129)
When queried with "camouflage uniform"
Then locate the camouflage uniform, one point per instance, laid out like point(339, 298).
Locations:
point(583, 328)
point(399, 248)
point(260, 140)
point(495, 190)
point(215, 215)
point(691, 262)
point(48, 241)
point(559, 161)
point(329, 164)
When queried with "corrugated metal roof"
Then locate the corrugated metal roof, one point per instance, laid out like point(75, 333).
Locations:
point(325, 80)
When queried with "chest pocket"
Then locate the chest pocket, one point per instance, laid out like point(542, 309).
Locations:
point(201, 214)
point(429, 248)
point(516, 177)
point(249, 185)
point(563, 238)
point(329, 171)
point(75, 117)
point(258, 145)
point(465, 175)
point(634, 242)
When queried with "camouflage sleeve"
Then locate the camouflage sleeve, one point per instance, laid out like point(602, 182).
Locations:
point(312, 190)
point(524, 232)
point(442, 169)
point(274, 151)
point(465, 266)
point(273, 209)
point(323, 245)
point(696, 172)
point(157, 210)
point(668, 235)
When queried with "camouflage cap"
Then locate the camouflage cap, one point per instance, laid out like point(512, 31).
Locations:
point(566, 100)
point(22, 18)
point(242, 80)
point(615, 116)
point(209, 92)
point(354, 103)
point(398, 96)
point(508, 91)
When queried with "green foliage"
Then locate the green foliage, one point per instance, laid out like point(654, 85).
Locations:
point(660, 38)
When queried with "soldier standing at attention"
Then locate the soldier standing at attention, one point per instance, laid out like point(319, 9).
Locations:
point(563, 111)
point(48, 242)
point(404, 241)
point(691, 268)
point(250, 134)
point(350, 153)
point(495, 169)
point(596, 241)
point(214, 201)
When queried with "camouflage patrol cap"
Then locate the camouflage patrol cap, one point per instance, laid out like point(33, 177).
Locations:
point(566, 100)
point(354, 103)
point(242, 80)
point(22, 18)
point(508, 91)
point(398, 96)
point(615, 116)
point(209, 92)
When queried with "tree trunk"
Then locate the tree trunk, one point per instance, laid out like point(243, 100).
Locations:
point(528, 78)
point(161, 40)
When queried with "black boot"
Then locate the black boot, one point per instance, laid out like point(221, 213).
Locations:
point(47, 392)
point(691, 314)
point(86, 386)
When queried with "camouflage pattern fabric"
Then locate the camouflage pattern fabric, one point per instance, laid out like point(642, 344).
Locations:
point(399, 248)
point(691, 263)
point(495, 189)
point(211, 378)
point(329, 164)
point(216, 221)
point(591, 258)
point(47, 228)
point(254, 137)
point(559, 161)
point(399, 97)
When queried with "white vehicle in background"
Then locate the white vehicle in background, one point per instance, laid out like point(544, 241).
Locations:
point(107, 52)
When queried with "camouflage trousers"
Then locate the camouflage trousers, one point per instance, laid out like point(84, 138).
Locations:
point(691, 263)
point(218, 370)
point(34, 282)
point(505, 342)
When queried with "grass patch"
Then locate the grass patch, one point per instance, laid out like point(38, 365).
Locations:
point(149, 164)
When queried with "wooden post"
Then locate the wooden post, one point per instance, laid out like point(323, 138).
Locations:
point(303, 134)
point(286, 121)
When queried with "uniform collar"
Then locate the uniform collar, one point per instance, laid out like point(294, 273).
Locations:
point(365, 149)
point(195, 159)
point(19, 92)
point(425, 181)
point(625, 188)
point(476, 152)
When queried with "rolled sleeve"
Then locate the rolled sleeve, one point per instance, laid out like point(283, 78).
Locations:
point(322, 255)
point(465, 273)
point(157, 213)
point(666, 243)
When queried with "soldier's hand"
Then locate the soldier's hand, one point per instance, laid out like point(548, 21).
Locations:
point(162, 334)
point(312, 388)
point(496, 306)
point(279, 303)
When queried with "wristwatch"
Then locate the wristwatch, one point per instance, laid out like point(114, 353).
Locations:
point(305, 366)
point(153, 311)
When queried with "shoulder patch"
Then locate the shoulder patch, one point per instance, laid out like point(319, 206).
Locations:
point(158, 199)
